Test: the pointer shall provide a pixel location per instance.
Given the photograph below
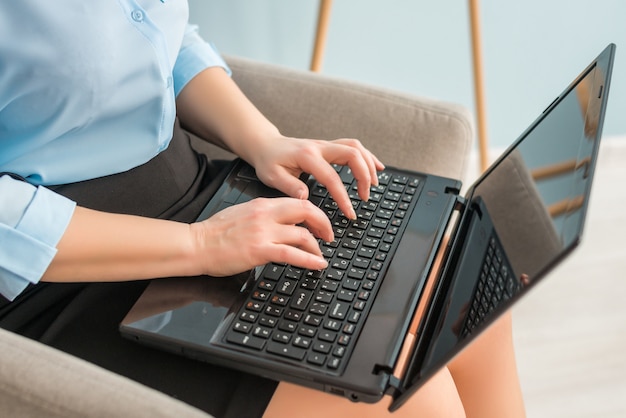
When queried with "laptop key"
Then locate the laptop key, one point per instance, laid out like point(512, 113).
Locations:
point(346, 295)
point(262, 332)
point(317, 359)
point(273, 272)
point(286, 286)
point(384, 178)
point(301, 299)
point(284, 350)
point(281, 337)
point(327, 336)
point(268, 321)
point(302, 342)
point(293, 315)
point(254, 306)
point(307, 331)
point(334, 363)
point(322, 347)
point(288, 326)
point(339, 310)
point(245, 340)
point(242, 327)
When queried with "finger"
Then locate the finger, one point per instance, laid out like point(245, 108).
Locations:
point(352, 153)
point(379, 164)
point(325, 174)
point(372, 162)
point(369, 155)
point(353, 157)
point(297, 257)
point(297, 237)
point(293, 211)
point(296, 245)
point(288, 183)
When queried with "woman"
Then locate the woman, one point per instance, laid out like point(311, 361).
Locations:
point(96, 102)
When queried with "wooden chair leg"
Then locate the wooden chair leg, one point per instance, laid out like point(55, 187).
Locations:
point(479, 87)
point(323, 20)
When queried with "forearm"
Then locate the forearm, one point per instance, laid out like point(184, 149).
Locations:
point(99, 246)
point(213, 106)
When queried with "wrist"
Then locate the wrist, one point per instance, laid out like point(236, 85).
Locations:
point(196, 253)
point(253, 148)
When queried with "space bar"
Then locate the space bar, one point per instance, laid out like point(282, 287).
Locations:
point(285, 350)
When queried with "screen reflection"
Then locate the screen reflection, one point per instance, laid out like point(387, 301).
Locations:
point(536, 196)
point(188, 308)
point(532, 207)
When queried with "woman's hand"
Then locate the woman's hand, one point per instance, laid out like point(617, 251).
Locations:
point(280, 161)
point(254, 233)
point(100, 246)
point(213, 107)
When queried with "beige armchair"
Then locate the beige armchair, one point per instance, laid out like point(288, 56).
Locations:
point(403, 130)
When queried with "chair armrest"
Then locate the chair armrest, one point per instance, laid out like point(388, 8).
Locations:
point(402, 130)
point(37, 381)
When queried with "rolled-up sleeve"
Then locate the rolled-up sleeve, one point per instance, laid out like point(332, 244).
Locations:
point(32, 221)
point(194, 56)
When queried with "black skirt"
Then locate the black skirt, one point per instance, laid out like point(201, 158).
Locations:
point(82, 319)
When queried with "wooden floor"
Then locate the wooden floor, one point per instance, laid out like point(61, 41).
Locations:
point(570, 331)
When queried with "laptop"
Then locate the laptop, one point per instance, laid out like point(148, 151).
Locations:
point(411, 282)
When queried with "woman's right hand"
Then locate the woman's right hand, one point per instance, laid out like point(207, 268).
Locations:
point(280, 230)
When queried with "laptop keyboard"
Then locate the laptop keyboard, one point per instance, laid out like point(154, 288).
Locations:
point(495, 285)
point(313, 318)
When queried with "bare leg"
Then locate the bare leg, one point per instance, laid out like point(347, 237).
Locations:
point(486, 374)
point(437, 398)
point(481, 382)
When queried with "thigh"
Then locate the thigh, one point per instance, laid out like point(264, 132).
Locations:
point(486, 374)
point(437, 398)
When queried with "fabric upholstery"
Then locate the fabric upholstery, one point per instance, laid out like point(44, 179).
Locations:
point(402, 130)
point(39, 381)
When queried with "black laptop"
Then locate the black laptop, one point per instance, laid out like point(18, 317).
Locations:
point(342, 329)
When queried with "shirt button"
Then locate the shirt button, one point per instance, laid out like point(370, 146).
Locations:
point(169, 81)
point(137, 15)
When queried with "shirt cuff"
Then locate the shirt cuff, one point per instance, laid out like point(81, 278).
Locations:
point(195, 56)
point(30, 246)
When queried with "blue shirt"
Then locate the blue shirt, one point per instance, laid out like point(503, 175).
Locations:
point(87, 89)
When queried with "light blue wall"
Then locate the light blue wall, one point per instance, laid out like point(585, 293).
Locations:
point(532, 48)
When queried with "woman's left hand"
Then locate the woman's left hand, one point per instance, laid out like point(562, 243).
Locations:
point(280, 163)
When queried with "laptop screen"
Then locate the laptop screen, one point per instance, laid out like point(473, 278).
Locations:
point(532, 202)
point(537, 195)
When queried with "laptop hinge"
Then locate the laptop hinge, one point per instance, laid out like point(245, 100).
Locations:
point(394, 387)
point(461, 203)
